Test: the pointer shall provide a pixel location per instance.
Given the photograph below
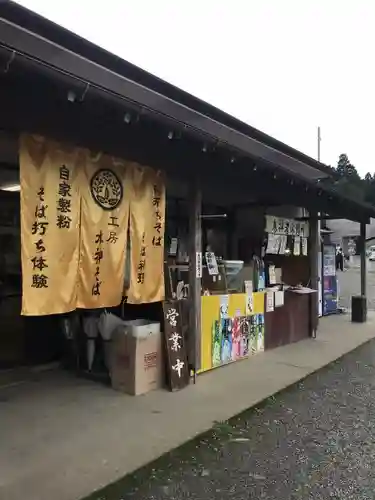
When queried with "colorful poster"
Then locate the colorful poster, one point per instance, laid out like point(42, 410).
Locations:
point(260, 332)
point(216, 343)
point(226, 338)
point(50, 217)
point(224, 306)
point(236, 338)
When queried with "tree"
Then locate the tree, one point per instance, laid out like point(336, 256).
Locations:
point(345, 168)
point(349, 182)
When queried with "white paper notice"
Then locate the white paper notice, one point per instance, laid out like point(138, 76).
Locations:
point(211, 262)
point(248, 286)
point(224, 306)
point(270, 301)
point(304, 246)
point(173, 247)
point(249, 304)
point(273, 244)
point(271, 275)
point(297, 245)
point(279, 298)
point(199, 265)
point(283, 243)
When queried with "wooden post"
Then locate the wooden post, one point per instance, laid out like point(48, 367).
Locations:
point(314, 243)
point(363, 258)
point(195, 246)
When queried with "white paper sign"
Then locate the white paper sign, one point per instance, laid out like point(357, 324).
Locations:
point(289, 227)
point(173, 246)
point(273, 244)
point(199, 265)
point(211, 262)
point(249, 304)
point(248, 286)
point(279, 298)
point(283, 243)
point(304, 246)
point(297, 245)
point(271, 275)
point(224, 306)
point(270, 301)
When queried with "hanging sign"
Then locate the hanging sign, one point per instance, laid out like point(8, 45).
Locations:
point(288, 227)
point(211, 262)
point(50, 215)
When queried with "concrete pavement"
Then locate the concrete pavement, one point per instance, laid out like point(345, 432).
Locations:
point(62, 438)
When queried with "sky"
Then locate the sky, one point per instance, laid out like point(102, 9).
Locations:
point(282, 66)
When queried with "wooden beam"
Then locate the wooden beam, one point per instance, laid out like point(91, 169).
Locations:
point(314, 244)
point(363, 258)
point(195, 247)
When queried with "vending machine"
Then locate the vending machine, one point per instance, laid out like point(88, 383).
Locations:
point(329, 280)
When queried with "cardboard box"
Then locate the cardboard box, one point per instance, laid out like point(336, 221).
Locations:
point(136, 358)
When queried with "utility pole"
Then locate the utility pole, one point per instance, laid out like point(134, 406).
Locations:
point(319, 141)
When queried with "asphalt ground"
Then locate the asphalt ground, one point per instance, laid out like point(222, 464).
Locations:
point(315, 440)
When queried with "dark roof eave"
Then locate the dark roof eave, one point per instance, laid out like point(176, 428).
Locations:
point(32, 45)
point(57, 57)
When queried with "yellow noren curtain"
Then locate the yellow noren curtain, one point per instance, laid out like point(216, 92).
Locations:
point(75, 208)
point(50, 211)
point(147, 221)
point(106, 185)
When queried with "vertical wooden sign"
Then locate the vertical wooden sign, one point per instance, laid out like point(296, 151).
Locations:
point(177, 365)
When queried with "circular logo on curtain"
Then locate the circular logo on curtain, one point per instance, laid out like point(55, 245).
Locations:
point(106, 189)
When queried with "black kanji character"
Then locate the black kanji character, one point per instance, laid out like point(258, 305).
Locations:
point(64, 173)
point(64, 205)
point(113, 221)
point(141, 265)
point(63, 221)
point(112, 238)
point(39, 263)
point(39, 228)
point(98, 256)
point(65, 189)
point(39, 281)
point(141, 278)
point(99, 238)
